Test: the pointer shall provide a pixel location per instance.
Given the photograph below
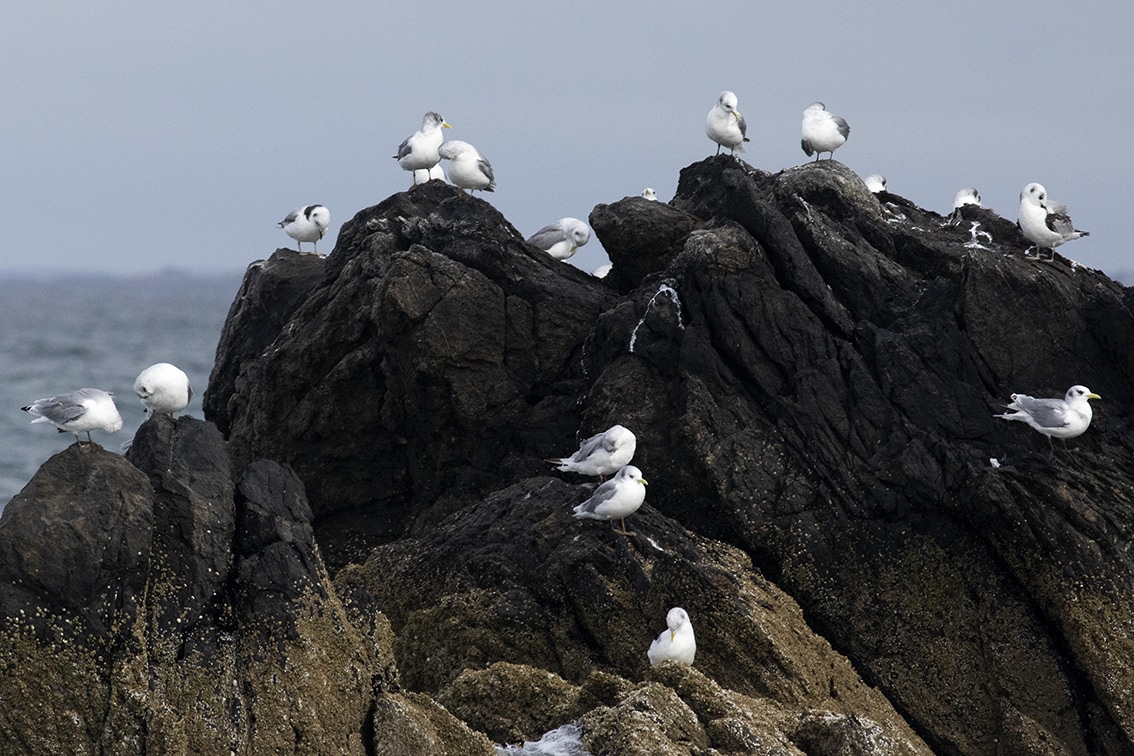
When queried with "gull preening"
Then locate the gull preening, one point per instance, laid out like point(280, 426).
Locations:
point(822, 131)
point(1059, 418)
point(602, 454)
point(967, 196)
point(677, 642)
point(78, 412)
point(875, 182)
point(468, 169)
point(1043, 222)
point(307, 224)
point(163, 389)
point(616, 499)
point(562, 238)
point(725, 125)
point(419, 150)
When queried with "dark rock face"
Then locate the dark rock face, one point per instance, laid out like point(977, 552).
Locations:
point(872, 562)
point(811, 374)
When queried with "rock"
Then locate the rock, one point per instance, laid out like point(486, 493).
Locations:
point(640, 237)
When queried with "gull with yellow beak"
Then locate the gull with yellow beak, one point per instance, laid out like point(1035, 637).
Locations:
point(725, 125)
point(677, 642)
point(419, 151)
point(1059, 418)
point(615, 499)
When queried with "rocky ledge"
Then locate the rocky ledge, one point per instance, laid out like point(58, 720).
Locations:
point(363, 551)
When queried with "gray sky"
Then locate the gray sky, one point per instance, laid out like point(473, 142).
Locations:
point(142, 136)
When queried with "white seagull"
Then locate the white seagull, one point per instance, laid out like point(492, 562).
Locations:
point(967, 196)
point(78, 412)
point(468, 169)
point(163, 389)
point(822, 131)
point(419, 150)
point(650, 194)
point(875, 182)
point(602, 454)
point(562, 238)
point(725, 125)
point(615, 499)
point(1043, 222)
point(307, 224)
point(1060, 418)
point(677, 642)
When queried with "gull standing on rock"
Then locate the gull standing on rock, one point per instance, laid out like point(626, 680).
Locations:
point(1043, 222)
point(602, 454)
point(468, 169)
point(1060, 418)
point(421, 175)
point(78, 412)
point(307, 224)
point(822, 131)
point(725, 125)
point(615, 499)
point(650, 194)
point(163, 389)
point(677, 642)
point(419, 151)
point(562, 238)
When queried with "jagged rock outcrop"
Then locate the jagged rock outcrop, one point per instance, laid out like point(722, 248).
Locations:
point(872, 561)
point(812, 375)
point(152, 606)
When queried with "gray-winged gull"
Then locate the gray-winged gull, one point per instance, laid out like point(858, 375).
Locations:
point(307, 224)
point(1059, 418)
point(78, 412)
point(163, 389)
point(602, 454)
point(468, 169)
point(1043, 222)
point(615, 499)
point(725, 125)
point(822, 131)
point(562, 238)
point(419, 150)
point(677, 642)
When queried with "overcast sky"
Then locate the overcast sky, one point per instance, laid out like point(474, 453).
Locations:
point(143, 136)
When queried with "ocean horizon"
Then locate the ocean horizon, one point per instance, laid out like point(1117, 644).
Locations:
point(65, 331)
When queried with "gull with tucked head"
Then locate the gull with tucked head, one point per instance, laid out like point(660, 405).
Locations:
point(725, 125)
point(562, 238)
point(822, 131)
point(677, 642)
point(468, 169)
point(163, 389)
point(602, 454)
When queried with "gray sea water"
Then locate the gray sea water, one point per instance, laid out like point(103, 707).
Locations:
point(64, 333)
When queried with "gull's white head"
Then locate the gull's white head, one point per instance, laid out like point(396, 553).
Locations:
point(1077, 394)
point(967, 196)
point(1034, 194)
point(320, 216)
point(433, 120)
point(650, 194)
point(727, 102)
point(676, 618)
point(815, 107)
point(580, 232)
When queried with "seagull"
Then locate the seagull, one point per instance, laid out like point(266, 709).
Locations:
point(307, 224)
point(1043, 222)
point(725, 125)
point(1060, 418)
point(601, 454)
point(78, 412)
point(421, 175)
point(967, 196)
point(468, 169)
point(603, 270)
point(562, 238)
point(822, 131)
point(650, 194)
point(163, 389)
point(875, 182)
point(616, 498)
point(677, 642)
point(419, 150)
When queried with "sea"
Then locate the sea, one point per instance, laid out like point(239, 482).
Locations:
point(61, 333)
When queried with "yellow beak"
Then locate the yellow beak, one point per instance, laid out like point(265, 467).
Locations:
point(446, 125)
point(1093, 396)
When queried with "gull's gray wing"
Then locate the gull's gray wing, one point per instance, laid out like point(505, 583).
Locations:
point(486, 169)
point(290, 217)
point(64, 408)
point(403, 149)
point(843, 126)
point(743, 126)
point(548, 236)
point(1050, 413)
point(604, 494)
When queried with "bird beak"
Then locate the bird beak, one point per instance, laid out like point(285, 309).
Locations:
point(643, 481)
point(1093, 396)
point(446, 125)
point(672, 635)
point(736, 115)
